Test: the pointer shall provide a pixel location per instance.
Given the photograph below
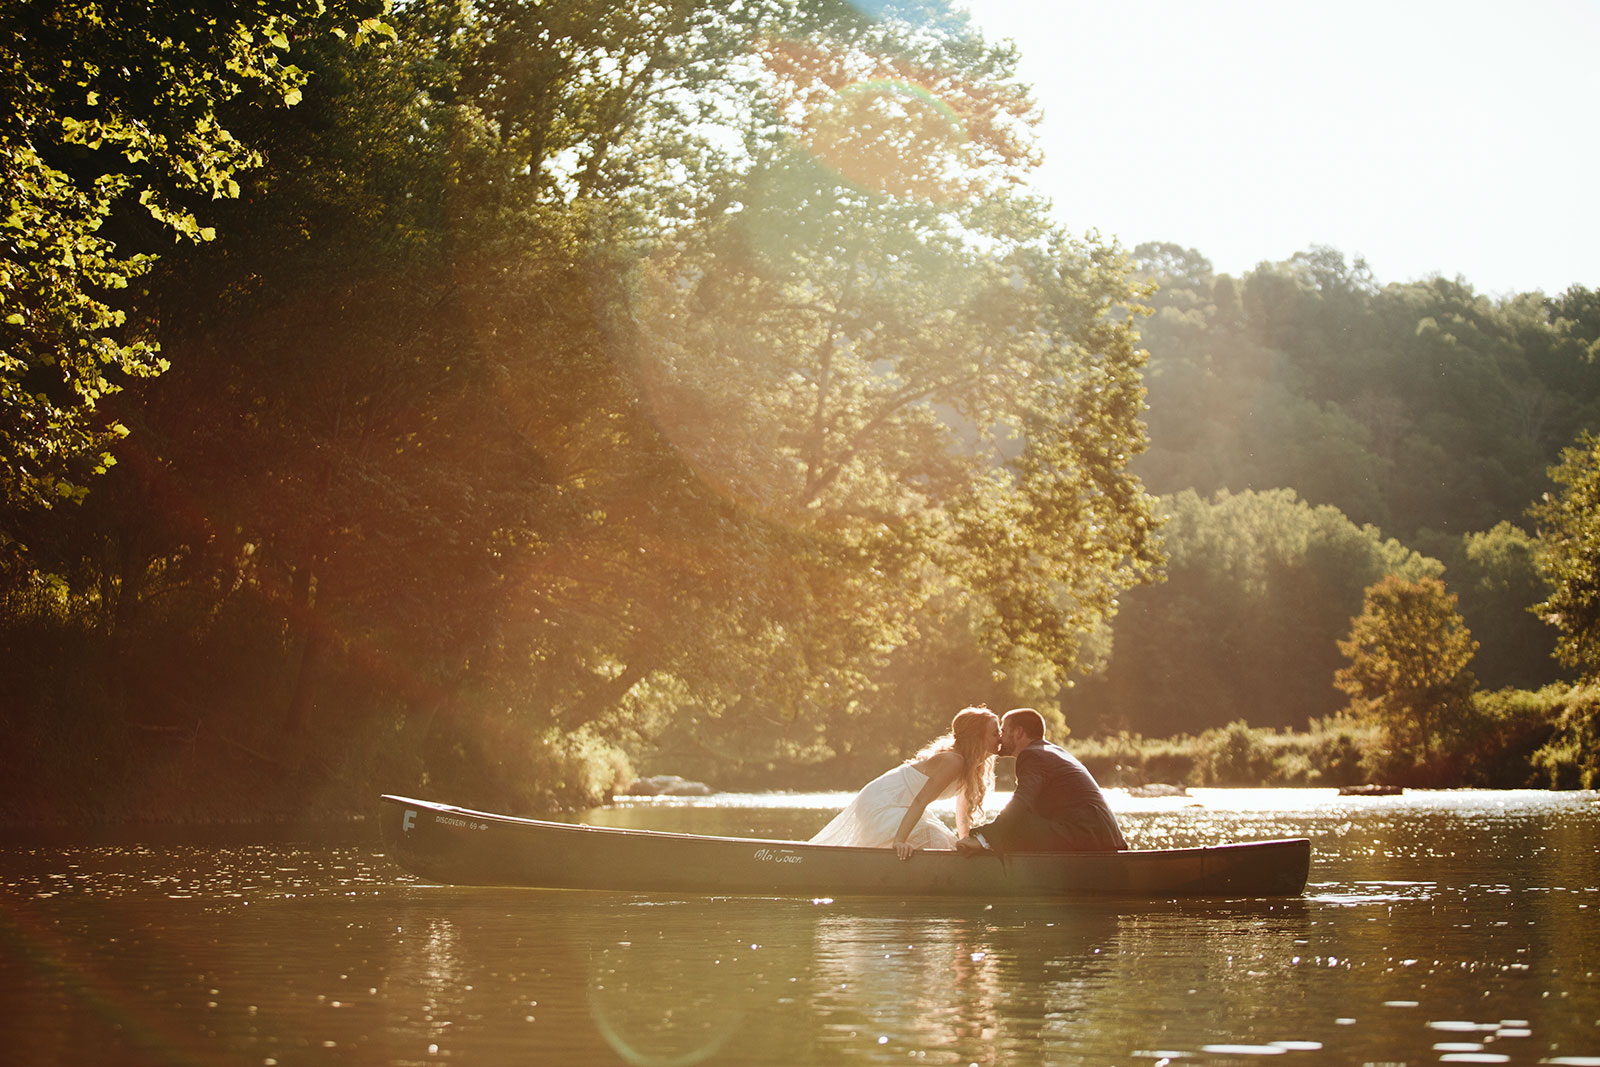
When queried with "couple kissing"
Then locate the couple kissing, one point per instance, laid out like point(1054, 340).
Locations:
point(1057, 806)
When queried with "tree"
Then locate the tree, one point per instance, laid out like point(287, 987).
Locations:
point(109, 138)
point(1568, 556)
point(1496, 577)
point(1421, 406)
point(1409, 653)
point(1259, 587)
point(577, 366)
point(934, 395)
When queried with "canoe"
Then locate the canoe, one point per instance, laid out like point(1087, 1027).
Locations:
point(458, 846)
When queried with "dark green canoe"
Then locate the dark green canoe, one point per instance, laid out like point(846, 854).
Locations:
point(458, 846)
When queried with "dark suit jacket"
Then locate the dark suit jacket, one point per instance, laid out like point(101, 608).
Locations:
point(1058, 807)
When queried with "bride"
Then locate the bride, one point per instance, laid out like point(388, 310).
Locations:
point(891, 810)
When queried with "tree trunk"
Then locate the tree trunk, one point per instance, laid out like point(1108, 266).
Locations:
point(601, 699)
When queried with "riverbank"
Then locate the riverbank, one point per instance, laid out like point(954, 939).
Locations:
point(127, 774)
point(1513, 739)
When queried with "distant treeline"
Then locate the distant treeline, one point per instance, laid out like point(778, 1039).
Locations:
point(1311, 432)
point(491, 400)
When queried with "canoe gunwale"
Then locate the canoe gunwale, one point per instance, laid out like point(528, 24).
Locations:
point(545, 824)
point(459, 845)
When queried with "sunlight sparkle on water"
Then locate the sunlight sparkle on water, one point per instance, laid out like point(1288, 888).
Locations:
point(1461, 923)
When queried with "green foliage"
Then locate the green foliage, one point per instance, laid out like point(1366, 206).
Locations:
point(1235, 756)
point(110, 123)
point(1571, 758)
point(1421, 408)
point(1129, 759)
point(577, 371)
point(928, 414)
point(505, 762)
point(1337, 754)
point(1495, 575)
point(690, 380)
point(1259, 587)
point(1505, 739)
point(1569, 555)
point(1408, 654)
point(1494, 746)
point(1416, 406)
point(1332, 752)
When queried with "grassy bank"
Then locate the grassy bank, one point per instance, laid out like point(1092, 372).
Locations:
point(1513, 739)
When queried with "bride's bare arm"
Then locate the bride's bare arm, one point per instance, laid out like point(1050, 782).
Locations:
point(941, 768)
point(963, 814)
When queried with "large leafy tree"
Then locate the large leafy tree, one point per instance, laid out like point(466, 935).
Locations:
point(1568, 522)
point(110, 138)
point(872, 342)
point(868, 376)
point(574, 365)
point(1409, 652)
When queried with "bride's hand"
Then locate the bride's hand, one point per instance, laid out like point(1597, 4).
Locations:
point(903, 849)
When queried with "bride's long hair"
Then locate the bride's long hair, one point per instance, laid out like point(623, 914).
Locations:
point(966, 739)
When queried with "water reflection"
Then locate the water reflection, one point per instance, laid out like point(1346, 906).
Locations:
point(665, 994)
point(927, 980)
point(657, 983)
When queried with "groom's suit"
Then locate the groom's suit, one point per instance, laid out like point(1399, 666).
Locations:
point(1058, 807)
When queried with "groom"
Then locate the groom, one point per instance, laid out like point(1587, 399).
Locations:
point(1058, 807)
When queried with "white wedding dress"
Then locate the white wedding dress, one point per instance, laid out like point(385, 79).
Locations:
point(874, 814)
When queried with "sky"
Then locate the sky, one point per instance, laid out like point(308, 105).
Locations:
point(1457, 139)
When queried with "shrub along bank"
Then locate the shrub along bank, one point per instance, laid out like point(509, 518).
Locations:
point(1511, 739)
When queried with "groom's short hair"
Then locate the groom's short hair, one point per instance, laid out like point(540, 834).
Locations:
point(1030, 722)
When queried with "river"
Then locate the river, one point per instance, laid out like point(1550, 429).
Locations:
point(1439, 927)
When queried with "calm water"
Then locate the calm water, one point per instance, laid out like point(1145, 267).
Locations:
point(1439, 927)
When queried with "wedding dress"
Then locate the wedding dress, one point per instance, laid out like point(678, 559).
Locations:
point(874, 814)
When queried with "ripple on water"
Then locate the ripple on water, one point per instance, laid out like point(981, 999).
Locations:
point(496, 960)
point(1357, 894)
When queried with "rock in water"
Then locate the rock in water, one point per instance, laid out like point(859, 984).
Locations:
point(668, 785)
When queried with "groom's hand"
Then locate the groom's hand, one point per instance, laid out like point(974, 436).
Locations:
point(969, 846)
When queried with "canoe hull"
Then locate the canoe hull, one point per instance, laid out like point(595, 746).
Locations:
point(458, 846)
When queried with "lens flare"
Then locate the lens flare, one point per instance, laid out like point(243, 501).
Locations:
point(889, 136)
point(885, 124)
